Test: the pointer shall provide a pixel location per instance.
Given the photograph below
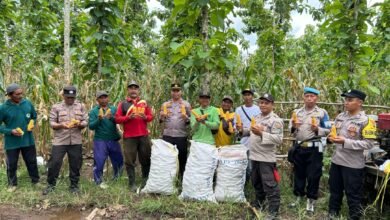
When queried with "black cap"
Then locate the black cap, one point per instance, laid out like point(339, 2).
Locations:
point(267, 97)
point(175, 86)
point(227, 97)
point(247, 90)
point(354, 93)
point(133, 83)
point(204, 94)
point(70, 91)
point(12, 88)
point(101, 93)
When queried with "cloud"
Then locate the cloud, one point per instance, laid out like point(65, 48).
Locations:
point(299, 22)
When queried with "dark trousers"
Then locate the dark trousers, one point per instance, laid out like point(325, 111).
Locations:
point(266, 187)
point(350, 180)
point(132, 147)
point(29, 155)
point(307, 170)
point(181, 144)
point(102, 150)
point(75, 159)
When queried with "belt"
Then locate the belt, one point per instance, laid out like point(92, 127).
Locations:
point(310, 144)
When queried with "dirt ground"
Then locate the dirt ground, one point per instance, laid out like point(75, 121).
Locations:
point(8, 212)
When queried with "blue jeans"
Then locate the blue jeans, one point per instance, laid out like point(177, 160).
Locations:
point(102, 150)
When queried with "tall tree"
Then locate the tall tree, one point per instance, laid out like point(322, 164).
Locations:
point(198, 38)
point(67, 60)
point(347, 40)
point(270, 21)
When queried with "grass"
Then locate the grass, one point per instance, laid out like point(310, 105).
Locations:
point(150, 206)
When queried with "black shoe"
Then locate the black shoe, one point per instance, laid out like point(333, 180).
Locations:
point(255, 204)
point(272, 216)
point(48, 190)
point(74, 190)
point(258, 205)
point(333, 215)
point(133, 187)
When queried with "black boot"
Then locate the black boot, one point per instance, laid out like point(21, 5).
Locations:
point(48, 189)
point(131, 175)
point(145, 171)
point(145, 174)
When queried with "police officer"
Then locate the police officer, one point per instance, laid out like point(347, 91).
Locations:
point(308, 125)
point(264, 137)
point(67, 119)
point(355, 133)
point(176, 114)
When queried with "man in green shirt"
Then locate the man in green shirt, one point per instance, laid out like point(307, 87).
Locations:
point(204, 120)
point(105, 141)
point(17, 118)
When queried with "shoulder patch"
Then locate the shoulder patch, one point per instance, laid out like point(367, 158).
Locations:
point(277, 127)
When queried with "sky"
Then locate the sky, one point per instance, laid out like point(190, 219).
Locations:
point(298, 23)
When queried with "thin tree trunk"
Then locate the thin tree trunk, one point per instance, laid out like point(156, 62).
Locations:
point(355, 31)
point(274, 24)
point(205, 33)
point(100, 60)
point(124, 12)
point(8, 60)
point(67, 67)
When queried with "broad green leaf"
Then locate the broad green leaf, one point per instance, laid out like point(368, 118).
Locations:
point(374, 89)
point(187, 63)
point(174, 46)
point(203, 54)
point(179, 2)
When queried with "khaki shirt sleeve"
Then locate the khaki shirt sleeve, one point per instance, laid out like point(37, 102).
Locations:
point(53, 117)
point(275, 136)
point(84, 119)
point(362, 144)
point(365, 144)
point(324, 126)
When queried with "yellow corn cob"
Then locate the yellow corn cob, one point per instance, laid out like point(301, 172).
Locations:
point(101, 114)
point(333, 132)
point(165, 109)
point(253, 122)
point(238, 120)
point(313, 121)
point(108, 111)
point(204, 116)
point(73, 122)
point(20, 131)
point(387, 168)
point(141, 110)
point(294, 117)
point(231, 116)
point(220, 112)
point(195, 114)
point(231, 130)
point(30, 125)
point(183, 109)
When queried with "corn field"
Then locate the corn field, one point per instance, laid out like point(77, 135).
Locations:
point(113, 42)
